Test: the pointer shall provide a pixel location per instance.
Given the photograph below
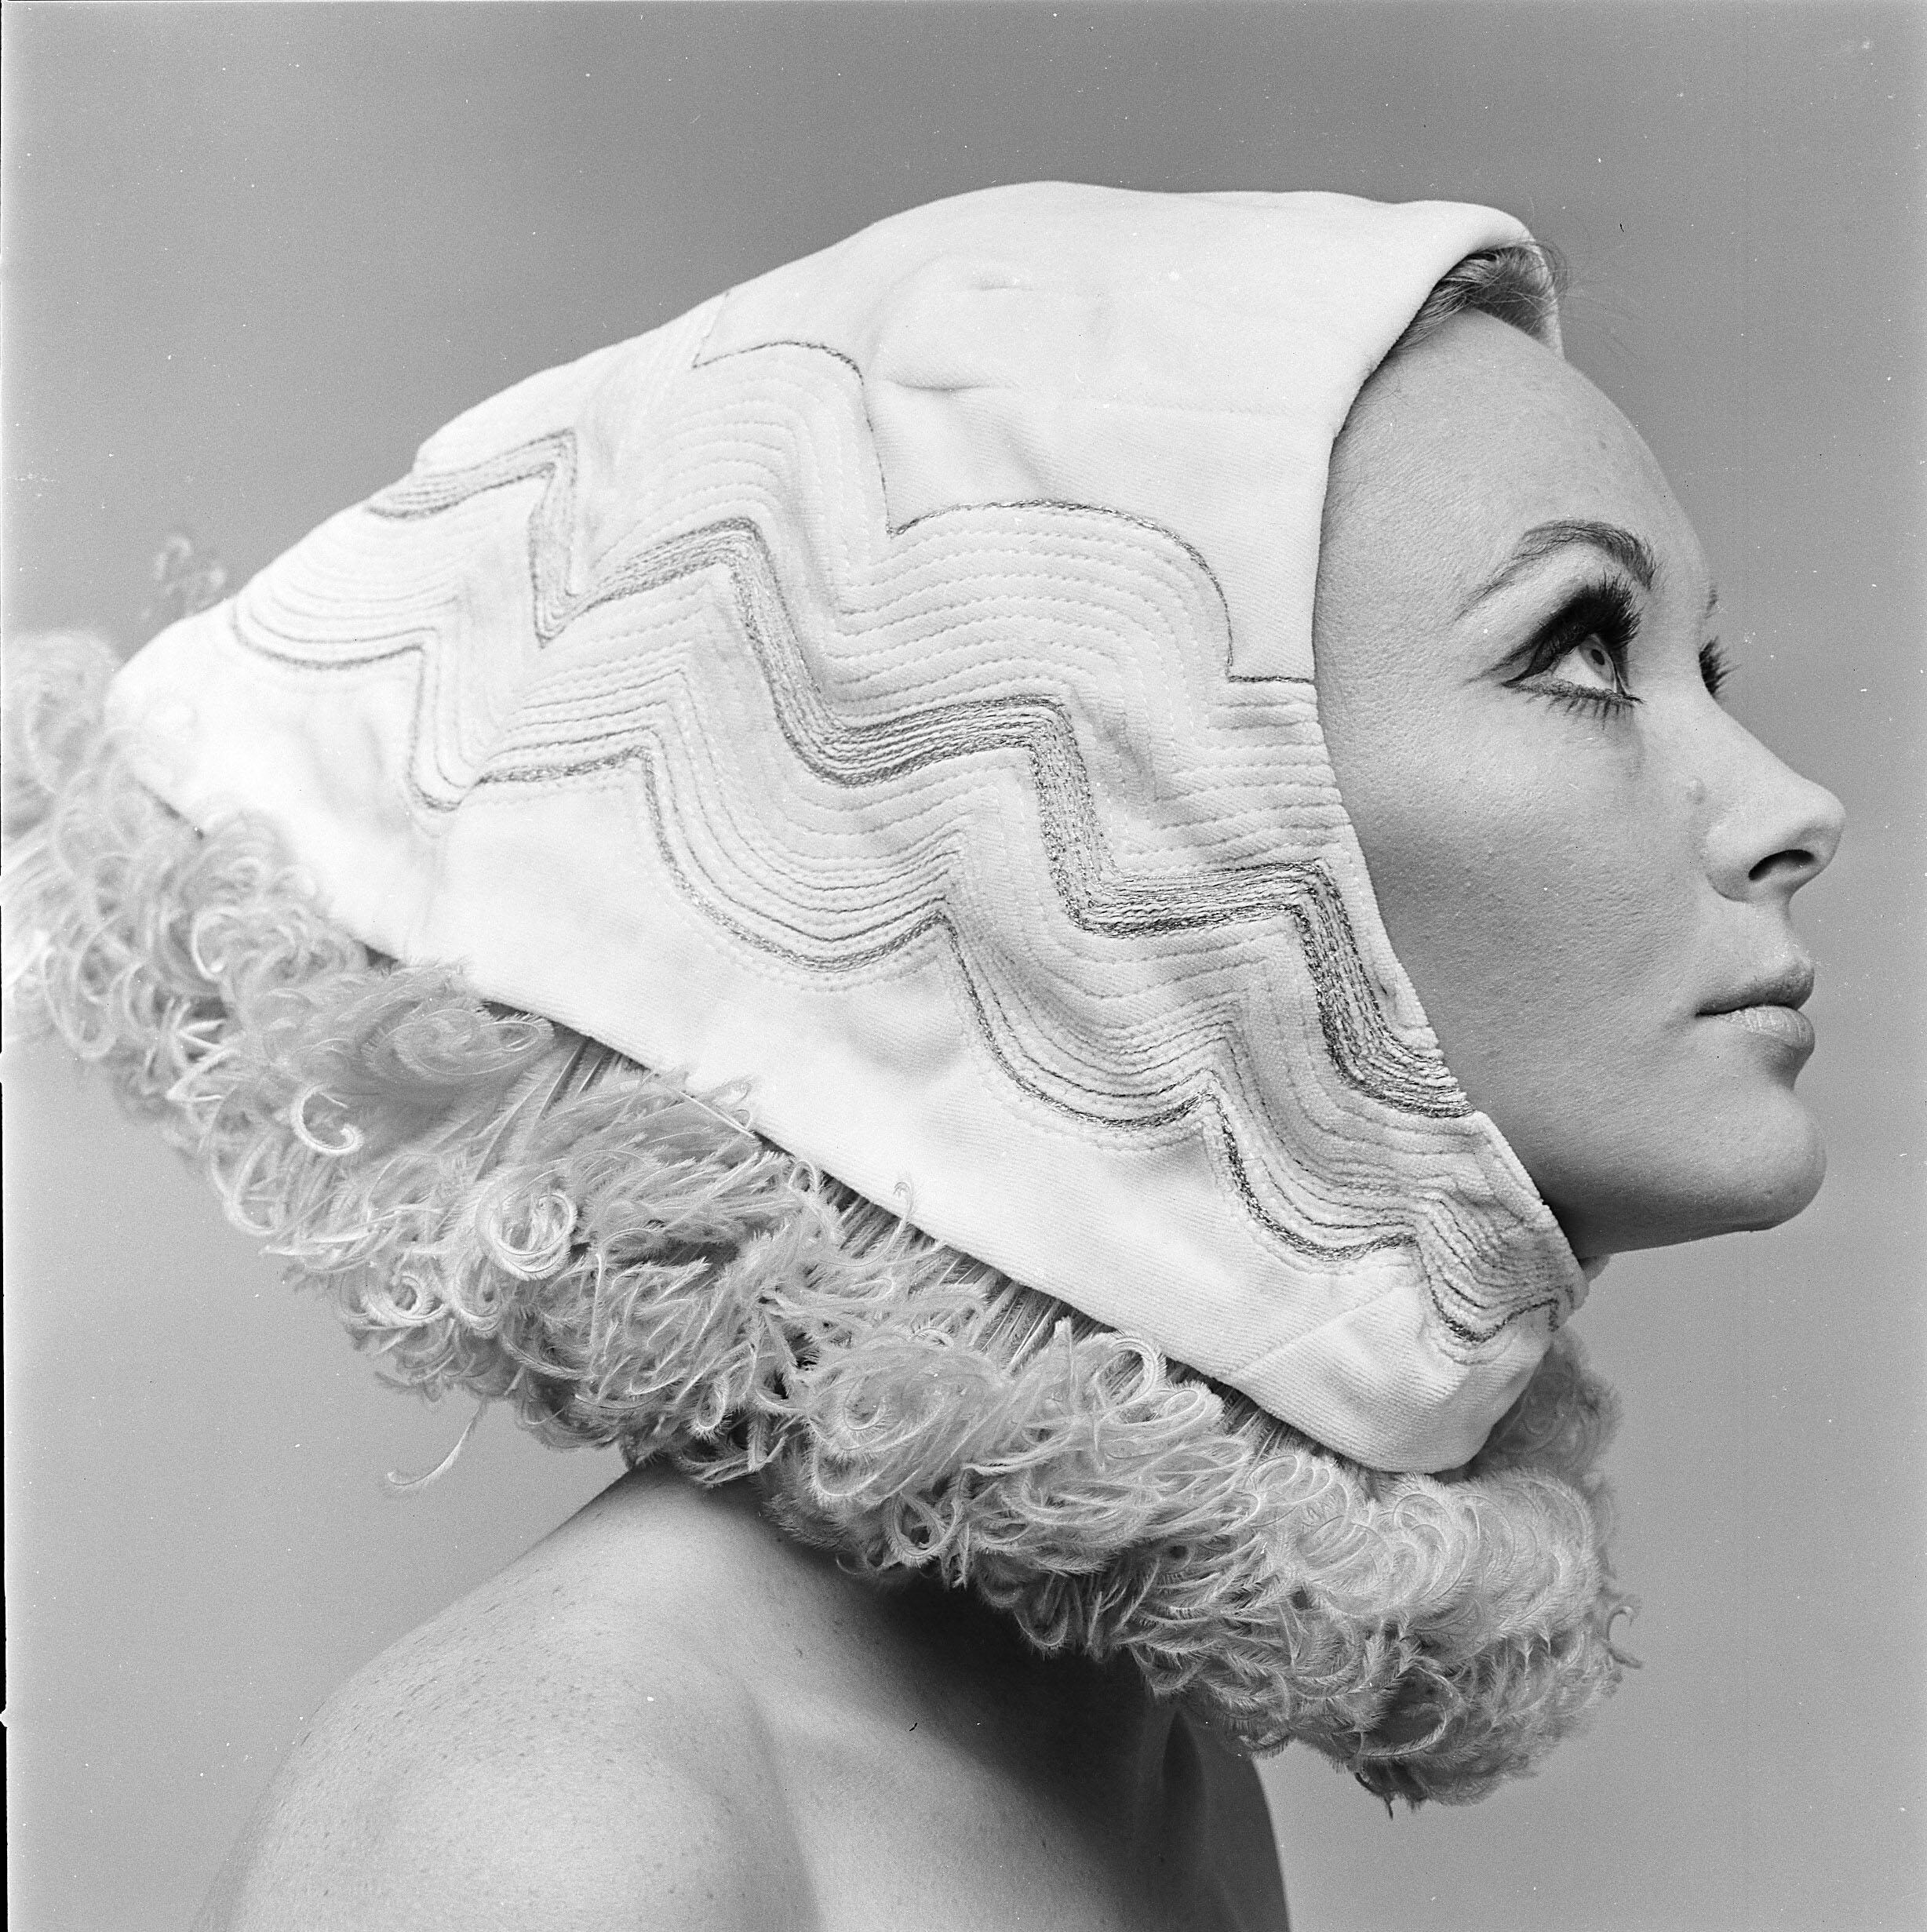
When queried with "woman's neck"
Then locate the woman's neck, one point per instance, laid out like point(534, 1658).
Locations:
point(1092, 1730)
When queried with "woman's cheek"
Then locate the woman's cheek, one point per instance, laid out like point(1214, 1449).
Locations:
point(1539, 928)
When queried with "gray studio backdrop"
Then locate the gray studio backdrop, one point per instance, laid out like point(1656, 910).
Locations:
point(256, 254)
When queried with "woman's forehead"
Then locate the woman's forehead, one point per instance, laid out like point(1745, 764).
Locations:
point(1464, 445)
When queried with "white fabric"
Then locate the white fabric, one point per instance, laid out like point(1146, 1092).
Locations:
point(887, 687)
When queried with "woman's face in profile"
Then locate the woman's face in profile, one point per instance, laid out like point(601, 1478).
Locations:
point(1584, 863)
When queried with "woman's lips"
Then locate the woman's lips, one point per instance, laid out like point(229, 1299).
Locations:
point(1786, 1026)
point(1769, 1009)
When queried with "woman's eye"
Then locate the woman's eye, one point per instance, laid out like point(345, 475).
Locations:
point(1578, 660)
point(1590, 662)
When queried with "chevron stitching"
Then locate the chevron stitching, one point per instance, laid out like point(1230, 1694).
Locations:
point(1095, 892)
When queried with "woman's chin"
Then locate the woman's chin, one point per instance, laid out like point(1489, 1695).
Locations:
point(1794, 1194)
point(1772, 1172)
point(1722, 1185)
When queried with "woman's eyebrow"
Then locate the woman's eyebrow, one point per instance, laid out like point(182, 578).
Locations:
point(1633, 554)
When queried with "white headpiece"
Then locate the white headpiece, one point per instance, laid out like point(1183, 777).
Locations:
point(889, 686)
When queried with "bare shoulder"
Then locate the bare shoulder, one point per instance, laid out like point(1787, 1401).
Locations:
point(560, 1746)
point(670, 1716)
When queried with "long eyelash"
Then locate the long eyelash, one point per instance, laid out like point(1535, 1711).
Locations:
point(1604, 609)
point(1714, 668)
point(1595, 704)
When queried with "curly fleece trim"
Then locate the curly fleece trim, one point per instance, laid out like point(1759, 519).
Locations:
point(496, 1205)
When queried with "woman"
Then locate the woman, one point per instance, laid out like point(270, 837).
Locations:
point(795, 900)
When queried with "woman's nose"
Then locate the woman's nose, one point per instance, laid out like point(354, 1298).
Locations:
point(1777, 830)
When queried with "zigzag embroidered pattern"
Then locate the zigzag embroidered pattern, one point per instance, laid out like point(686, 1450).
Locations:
point(1161, 532)
point(1095, 892)
point(925, 921)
